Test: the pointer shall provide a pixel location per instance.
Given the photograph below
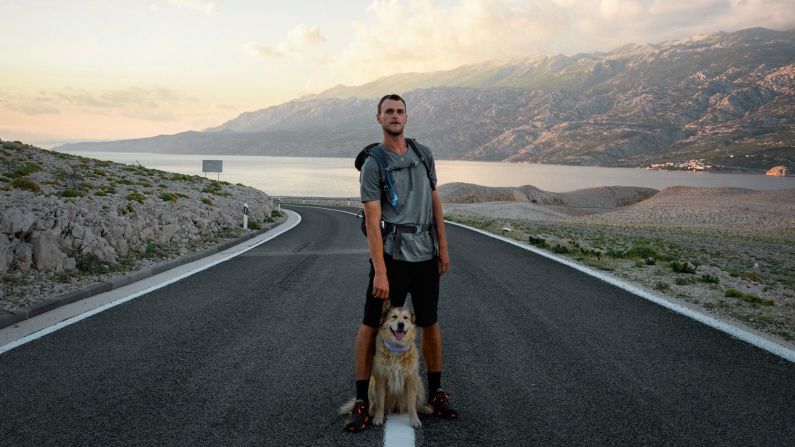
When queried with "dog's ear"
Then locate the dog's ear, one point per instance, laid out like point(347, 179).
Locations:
point(386, 306)
point(412, 317)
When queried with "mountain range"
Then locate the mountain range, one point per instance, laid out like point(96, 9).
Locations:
point(727, 98)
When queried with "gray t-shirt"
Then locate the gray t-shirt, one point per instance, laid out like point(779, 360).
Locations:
point(414, 207)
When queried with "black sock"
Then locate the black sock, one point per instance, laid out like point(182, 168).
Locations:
point(361, 389)
point(434, 382)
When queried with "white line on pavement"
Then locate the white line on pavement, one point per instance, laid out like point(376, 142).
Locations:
point(397, 431)
point(296, 218)
point(735, 331)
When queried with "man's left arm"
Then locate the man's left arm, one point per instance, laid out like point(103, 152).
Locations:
point(441, 236)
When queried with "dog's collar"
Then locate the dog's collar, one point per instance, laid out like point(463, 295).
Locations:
point(396, 348)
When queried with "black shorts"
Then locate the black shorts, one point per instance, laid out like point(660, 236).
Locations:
point(420, 279)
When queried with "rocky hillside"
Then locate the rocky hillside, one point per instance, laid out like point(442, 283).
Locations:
point(65, 219)
point(727, 98)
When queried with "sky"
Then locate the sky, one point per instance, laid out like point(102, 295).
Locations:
point(83, 70)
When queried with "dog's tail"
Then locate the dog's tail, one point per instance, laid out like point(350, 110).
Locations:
point(347, 407)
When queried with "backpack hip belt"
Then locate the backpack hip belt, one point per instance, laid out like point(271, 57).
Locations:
point(405, 228)
point(399, 229)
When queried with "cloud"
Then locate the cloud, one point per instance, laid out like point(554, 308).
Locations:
point(401, 36)
point(204, 7)
point(33, 105)
point(153, 104)
point(298, 40)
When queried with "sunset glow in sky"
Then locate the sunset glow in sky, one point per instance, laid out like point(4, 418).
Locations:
point(115, 69)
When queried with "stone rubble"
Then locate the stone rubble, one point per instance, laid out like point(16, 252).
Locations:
point(76, 217)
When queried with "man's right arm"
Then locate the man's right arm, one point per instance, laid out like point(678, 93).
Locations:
point(372, 212)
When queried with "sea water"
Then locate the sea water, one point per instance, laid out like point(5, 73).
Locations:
point(336, 177)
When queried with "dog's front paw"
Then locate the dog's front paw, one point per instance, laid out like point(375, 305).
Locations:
point(415, 422)
point(378, 419)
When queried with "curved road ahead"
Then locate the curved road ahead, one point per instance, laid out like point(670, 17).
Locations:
point(258, 350)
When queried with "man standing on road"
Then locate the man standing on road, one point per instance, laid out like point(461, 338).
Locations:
point(407, 256)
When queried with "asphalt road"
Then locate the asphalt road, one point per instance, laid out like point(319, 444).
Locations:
point(259, 351)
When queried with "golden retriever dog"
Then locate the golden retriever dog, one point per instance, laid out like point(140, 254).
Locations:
point(395, 384)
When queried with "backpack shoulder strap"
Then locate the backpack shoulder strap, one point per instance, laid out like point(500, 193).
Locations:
point(387, 189)
point(424, 156)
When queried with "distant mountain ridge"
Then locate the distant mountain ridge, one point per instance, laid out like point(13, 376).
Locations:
point(725, 97)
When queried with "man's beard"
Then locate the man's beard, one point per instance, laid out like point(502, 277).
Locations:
point(394, 133)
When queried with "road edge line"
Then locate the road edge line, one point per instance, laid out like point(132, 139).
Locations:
point(278, 231)
point(730, 329)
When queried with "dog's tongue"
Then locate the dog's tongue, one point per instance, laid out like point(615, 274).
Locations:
point(400, 334)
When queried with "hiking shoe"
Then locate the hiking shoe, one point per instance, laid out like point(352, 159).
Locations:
point(440, 403)
point(358, 420)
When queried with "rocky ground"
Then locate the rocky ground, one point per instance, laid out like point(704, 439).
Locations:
point(729, 252)
point(67, 222)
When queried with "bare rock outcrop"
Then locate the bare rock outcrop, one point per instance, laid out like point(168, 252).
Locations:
point(75, 216)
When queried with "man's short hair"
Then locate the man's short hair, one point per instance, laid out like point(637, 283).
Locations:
point(393, 97)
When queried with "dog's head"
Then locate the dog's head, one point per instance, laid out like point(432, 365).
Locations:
point(398, 326)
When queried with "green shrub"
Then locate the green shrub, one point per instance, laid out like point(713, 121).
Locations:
point(168, 197)
point(683, 267)
point(707, 278)
point(537, 241)
point(25, 169)
point(747, 297)
point(642, 252)
point(662, 286)
point(136, 196)
point(616, 254)
point(254, 225)
point(560, 249)
point(91, 265)
point(207, 201)
point(752, 276)
point(71, 193)
point(215, 188)
point(276, 213)
point(25, 183)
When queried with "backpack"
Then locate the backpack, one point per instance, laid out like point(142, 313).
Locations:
point(388, 193)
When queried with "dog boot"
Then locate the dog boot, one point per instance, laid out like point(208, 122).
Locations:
point(359, 419)
point(440, 403)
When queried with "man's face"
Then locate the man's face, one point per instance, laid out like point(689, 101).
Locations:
point(392, 117)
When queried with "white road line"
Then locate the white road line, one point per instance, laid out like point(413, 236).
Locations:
point(321, 208)
point(397, 431)
point(82, 316)
point(735, 331)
